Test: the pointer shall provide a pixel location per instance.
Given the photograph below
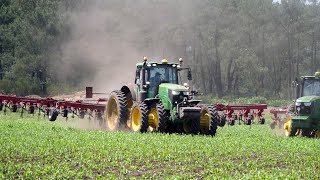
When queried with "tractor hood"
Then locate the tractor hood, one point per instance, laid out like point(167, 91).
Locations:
point(174, 87)
point(308, 99)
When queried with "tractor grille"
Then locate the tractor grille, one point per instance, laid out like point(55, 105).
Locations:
point(305, 109)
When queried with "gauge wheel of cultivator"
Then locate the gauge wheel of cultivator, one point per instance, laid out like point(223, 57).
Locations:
point(222, 119)
point(1, 106)
point(191, 126)
point(139, 118)
point(157, 118)
point(248, 121)
point(52, 114)
point(231, 122)
point(116, 110)
point(262, 120)
point(14, 108)
point(290, 131)
point(82, 114)
point(208, 120)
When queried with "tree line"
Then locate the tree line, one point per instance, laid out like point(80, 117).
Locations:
point(235, 48)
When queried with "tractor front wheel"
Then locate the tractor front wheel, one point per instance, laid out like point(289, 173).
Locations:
point(117, 110)
point(139, 118)
point(157, 118)
point(289, 129)
point(208, 120)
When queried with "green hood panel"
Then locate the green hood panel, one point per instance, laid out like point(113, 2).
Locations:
point(308, 99)
point(175, 87)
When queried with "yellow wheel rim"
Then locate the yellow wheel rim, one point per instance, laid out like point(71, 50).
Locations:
point(136, 119)
point(204, 121)
point(153, 119)
point(287, 127)
point(112, 114)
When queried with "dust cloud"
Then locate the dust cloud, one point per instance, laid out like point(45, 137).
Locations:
point(109, 37)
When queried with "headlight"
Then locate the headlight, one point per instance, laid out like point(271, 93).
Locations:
point(186, 93)
point(307, 104)
point(175, 92)
point(298, 103)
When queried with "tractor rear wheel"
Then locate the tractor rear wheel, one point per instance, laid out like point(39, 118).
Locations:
point(117, 110)
point(289, 129)
point(208, 120)
point(157, 118)
point(306, 132)
point(139, 118)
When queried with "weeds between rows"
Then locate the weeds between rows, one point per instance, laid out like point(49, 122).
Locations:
point(32, 148)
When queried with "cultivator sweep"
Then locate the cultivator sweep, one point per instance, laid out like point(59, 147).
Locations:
point(52, 107)
point(245, 113)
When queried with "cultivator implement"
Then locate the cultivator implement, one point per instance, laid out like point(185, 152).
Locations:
point(245, 113)
point(279, 117)
point(52, 107)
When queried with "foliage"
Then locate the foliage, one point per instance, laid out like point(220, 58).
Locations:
point(235, 48)
point(33, 149)
point(248, 100)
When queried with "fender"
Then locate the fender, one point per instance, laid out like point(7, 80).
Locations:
point(129, 91)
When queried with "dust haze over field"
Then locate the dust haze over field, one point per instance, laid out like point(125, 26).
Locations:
point(108, 38)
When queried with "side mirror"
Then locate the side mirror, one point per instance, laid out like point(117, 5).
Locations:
point(194, 93)
point(189, 75)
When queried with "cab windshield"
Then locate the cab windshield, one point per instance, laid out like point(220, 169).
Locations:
point(311, 87)
point(162, 74)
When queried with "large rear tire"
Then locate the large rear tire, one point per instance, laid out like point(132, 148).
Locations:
point(157, 118)
point(139, 118)
point(208, 120)
point(117, 110)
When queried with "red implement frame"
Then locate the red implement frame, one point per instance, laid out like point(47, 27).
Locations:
point(244, 112)
point(44, 104)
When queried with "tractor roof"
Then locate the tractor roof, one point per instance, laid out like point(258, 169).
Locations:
point(156, 63)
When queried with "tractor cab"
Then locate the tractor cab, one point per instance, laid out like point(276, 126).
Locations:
point(150, 75)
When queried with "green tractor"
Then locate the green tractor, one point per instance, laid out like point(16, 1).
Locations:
point(157, 102)
point(305, 116)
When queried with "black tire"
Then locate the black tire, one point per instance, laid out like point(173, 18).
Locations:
point(208, 122)
point(116, 110)
point(1, 106)
point(139, 118)
point(306, 133)
point(262, 120)
point(195, 126)
point(222, 119)
point(248, 121)
point(82, 114)
point(158, 108)
point(65, 113)
point(232, 122)
point(14, 108)
point(52, 114)
point(31, 109)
